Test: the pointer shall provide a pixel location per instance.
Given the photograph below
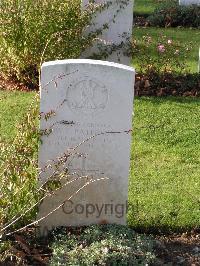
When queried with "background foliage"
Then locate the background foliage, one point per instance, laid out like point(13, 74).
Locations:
point(32, 31)
point(171, 14)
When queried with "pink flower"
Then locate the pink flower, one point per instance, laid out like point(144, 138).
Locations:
point(169, 41)
point(161, 48)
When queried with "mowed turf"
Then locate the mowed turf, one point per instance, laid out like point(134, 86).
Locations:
point(145, 7)
point(13, 105)
point(185, 38)
point(164, 189)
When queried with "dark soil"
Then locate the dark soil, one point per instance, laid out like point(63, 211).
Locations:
point(12, 85)
point(181, 249)
point(167, 84)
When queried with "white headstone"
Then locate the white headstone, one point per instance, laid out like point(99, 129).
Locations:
point(88, 98)
point(119, 18)
point(189, 2)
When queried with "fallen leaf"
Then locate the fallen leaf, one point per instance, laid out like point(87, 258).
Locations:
point(23, 244)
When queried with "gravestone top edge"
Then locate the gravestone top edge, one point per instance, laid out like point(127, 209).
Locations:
point(87, 61)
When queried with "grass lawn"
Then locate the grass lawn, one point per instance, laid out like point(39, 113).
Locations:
point(12, 107)
point(144, 7)
point(164, 189)
point(178, 35)
point(165, 160)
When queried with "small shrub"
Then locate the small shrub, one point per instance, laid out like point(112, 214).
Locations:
point(102, 245)
point(35, 31)
point(171, 14)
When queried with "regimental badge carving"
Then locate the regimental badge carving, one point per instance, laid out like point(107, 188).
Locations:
point(87, 96)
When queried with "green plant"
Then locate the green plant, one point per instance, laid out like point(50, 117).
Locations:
point(166, 56)
point(171, 14)
point(186, 39)
point(36, 31)
point(18, 164)
point(102, 245)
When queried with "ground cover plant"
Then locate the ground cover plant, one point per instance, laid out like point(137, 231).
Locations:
point(102, 245)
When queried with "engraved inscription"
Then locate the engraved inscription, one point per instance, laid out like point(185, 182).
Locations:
point(87, 96)
point(80, 132)
point(86, 171)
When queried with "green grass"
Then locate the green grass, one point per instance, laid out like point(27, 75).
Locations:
point(182, 36)
point(144, 7)
point(12, 107)
point(165, 160)
point(164, 189)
